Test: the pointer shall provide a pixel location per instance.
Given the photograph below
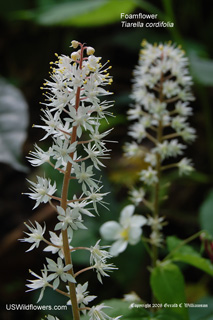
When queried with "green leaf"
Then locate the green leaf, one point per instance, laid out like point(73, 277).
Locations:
point(84, 13)
point(167, 314)
point(206, 214)
point(119, 307)
point(145, 5)
point(108, 13)
point(59, 13)
point(187, 254)
point(168, 287)
point(13, 125)
point(202, 70)
point(202, 313)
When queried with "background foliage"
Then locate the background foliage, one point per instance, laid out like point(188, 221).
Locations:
point(31, 32)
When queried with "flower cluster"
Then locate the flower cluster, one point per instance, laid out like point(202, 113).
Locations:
point(72, 114)
point(160, 131)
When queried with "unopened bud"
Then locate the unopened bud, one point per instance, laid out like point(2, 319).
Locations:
point(74, 44)
point(75, 56)
point(90, 51)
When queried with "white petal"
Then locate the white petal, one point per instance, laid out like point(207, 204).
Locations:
point(126, 213)
point(110, 230)
point(134, 235)
point(118, 247)
point(138, 221)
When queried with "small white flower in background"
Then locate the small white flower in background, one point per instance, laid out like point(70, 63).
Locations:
point(185, 166)
point(131, 297)
point(148, 176)
point(127, 231)
point(132, 150)
point(96, 313)
point(136, 196)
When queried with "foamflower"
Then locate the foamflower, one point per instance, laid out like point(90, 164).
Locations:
point(126, 231)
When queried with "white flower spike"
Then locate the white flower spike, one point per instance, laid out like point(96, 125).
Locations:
point(72, 114)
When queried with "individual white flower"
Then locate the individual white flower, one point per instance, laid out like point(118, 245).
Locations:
point(156, 223)
point(96, 313)
point(158, 109)
point(95, 154)
point(127, 230)
point(178, 123)
point(135, 112)
point(150, 157)
point(136, 196)
point(185, 166)
point(162, 149)
point(36, 235)
point(41, 283)
point(102, 267)
point(132, 149)
point(79, 206)
point(69, 219)
point(81, 118)
point(148, 176)
point(52, 123)
point(97, 197)
point(175, 148)
point(97, 253)
point(82, 296)
point(59, 271)
point(182, 109)
point(40, 156)
point(188, 134)
point(97, 137)
point(62, 150)
point(84, 175)
point(42, 190)
point(57, 244)
point(170, 88)
point(131, 297)
point(137, 131)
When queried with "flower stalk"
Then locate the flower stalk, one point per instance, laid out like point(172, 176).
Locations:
point(161, 94)
point(73, 112)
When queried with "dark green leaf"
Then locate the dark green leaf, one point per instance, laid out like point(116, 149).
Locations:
point(186, 254)
point(206, 214)
point(168, 287)
point(67, 11)
point(167, 314)
point(202, 70)
point(202, 313)
point(109, 12)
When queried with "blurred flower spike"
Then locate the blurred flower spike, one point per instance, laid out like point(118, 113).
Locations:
point(160, 130)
